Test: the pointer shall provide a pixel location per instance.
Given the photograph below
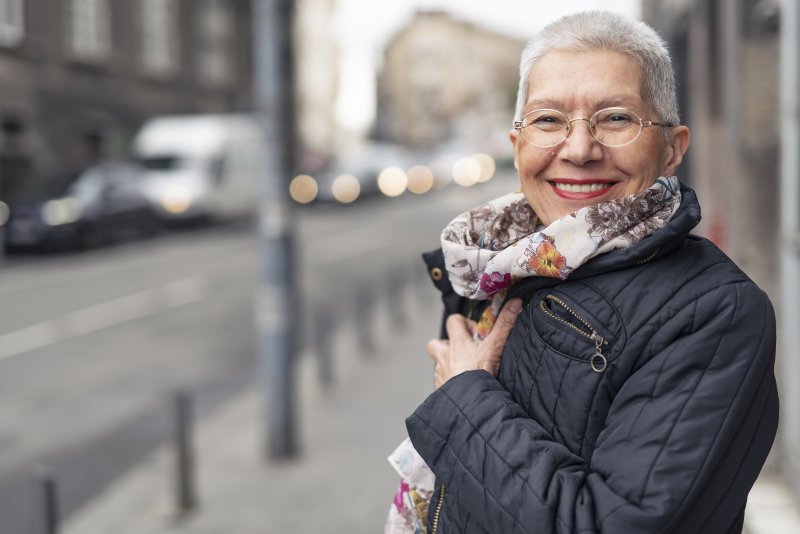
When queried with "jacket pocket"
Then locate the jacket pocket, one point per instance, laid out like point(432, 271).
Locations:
point(581, 325)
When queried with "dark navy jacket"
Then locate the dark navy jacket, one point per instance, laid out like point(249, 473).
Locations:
point(666, 434)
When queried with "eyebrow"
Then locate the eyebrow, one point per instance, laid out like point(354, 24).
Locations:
point(609, 101)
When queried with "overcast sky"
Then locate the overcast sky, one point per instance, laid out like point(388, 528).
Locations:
point(363, 27)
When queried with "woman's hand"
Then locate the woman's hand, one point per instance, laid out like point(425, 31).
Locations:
point(461, 353)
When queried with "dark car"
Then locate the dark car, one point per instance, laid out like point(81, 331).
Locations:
point(100, 205)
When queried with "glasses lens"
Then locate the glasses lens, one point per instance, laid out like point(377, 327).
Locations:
point(616, 126)
point(544, 127)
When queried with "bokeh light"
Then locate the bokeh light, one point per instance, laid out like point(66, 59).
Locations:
point(177, 200)
point(303, 189)
point(420, 179)
point(466, 172)
point(61, 211)
point(345, 188)
point(392, 181)
point(487, 165)
point(4, 213)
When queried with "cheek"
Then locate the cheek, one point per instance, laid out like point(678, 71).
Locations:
point(533, 161)
point(642, 167)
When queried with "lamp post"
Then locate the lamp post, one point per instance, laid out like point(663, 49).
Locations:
point(277, 296)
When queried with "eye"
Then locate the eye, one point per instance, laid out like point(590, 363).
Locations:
point(619, 117)
point(546, 120)
point(615, 118)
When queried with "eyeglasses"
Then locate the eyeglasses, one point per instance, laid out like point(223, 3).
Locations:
point(610, 127)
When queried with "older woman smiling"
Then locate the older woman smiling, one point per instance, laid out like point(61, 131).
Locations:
point(604, 370)
point(603, 152)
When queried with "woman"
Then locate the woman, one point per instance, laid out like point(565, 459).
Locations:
point(627, 384)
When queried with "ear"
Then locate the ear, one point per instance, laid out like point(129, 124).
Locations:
point(513, 136)
point(677, 145)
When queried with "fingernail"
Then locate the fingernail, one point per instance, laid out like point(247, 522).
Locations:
point(515, 305)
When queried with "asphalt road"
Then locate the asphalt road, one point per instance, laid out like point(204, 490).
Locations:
point(94, 345)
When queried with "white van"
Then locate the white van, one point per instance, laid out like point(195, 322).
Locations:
point(201, 166)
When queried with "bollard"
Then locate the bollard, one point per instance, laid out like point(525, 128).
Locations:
point(396, 293)
point(185, 496)
point(323, 323)
point(49, 500)
point(365, 326)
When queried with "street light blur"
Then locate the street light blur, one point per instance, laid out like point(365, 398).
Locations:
point(346, 188)
point(466, 172)
point(487, 165)
point(420, 179)
point(392, 181)
point(303, 189)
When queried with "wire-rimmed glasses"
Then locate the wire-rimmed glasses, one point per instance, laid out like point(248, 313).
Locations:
point(613, 127)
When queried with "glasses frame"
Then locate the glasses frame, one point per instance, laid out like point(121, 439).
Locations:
point(592, 125)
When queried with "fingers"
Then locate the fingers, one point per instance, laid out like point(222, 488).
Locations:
point(505, 321)
point(457, 327)
point(436, 348)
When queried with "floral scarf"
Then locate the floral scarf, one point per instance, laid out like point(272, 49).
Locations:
point(488, 249)
point(497, 244)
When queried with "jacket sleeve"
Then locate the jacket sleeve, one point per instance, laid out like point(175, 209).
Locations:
point(685, 437)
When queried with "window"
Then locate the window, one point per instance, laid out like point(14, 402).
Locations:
point(90, 29)
point(214, 43)
point(12, 22)
point(159, 35)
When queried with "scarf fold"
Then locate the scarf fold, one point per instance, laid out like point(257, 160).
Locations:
point(495, 245)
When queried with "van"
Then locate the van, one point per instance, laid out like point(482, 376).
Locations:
point(201, 167)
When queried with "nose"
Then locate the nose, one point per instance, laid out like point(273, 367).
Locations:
point(580, 146)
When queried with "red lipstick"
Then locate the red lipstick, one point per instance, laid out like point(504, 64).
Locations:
point(581, 189)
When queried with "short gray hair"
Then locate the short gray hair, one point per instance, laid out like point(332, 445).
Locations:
point(603, 30)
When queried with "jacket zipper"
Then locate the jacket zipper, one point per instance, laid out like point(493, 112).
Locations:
point(649, 257)
point(598, 360)
point(436, 512)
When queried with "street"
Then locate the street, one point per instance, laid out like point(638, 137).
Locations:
point(94, 345)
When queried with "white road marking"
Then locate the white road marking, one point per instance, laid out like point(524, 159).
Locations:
point(77, 269)
point(104, 315)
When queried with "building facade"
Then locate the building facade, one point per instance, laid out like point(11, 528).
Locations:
point(445, 79)
point(317, 74)
point(78, 77)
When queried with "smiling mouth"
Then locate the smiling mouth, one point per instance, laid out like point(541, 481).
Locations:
point(582, 188)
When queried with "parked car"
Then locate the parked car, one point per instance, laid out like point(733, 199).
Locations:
point(102, 204)
point(201, 166)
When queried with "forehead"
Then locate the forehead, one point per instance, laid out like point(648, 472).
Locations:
point(569, 79)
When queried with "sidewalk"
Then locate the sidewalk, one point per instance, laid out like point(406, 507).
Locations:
point(342, 481)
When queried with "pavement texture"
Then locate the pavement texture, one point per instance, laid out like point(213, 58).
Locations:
point(341, 481)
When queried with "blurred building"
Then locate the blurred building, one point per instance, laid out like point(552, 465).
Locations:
point(317, 72)
point(445, 79)
point(78, 77)
point(728, 73)
point(737, 66)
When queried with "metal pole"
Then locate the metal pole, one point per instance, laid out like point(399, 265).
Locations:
point(277, 299)
point(49, 496)
point(185, 496)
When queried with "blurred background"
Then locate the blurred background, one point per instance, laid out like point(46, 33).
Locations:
point(210, 272)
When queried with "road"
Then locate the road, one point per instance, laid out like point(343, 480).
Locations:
point(93, 345)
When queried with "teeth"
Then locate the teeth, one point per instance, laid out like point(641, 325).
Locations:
point(581, 188)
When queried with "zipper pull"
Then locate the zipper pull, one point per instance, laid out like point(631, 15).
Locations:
point(598, 361)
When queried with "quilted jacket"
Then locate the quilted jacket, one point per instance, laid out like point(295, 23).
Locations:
point(638, 396)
